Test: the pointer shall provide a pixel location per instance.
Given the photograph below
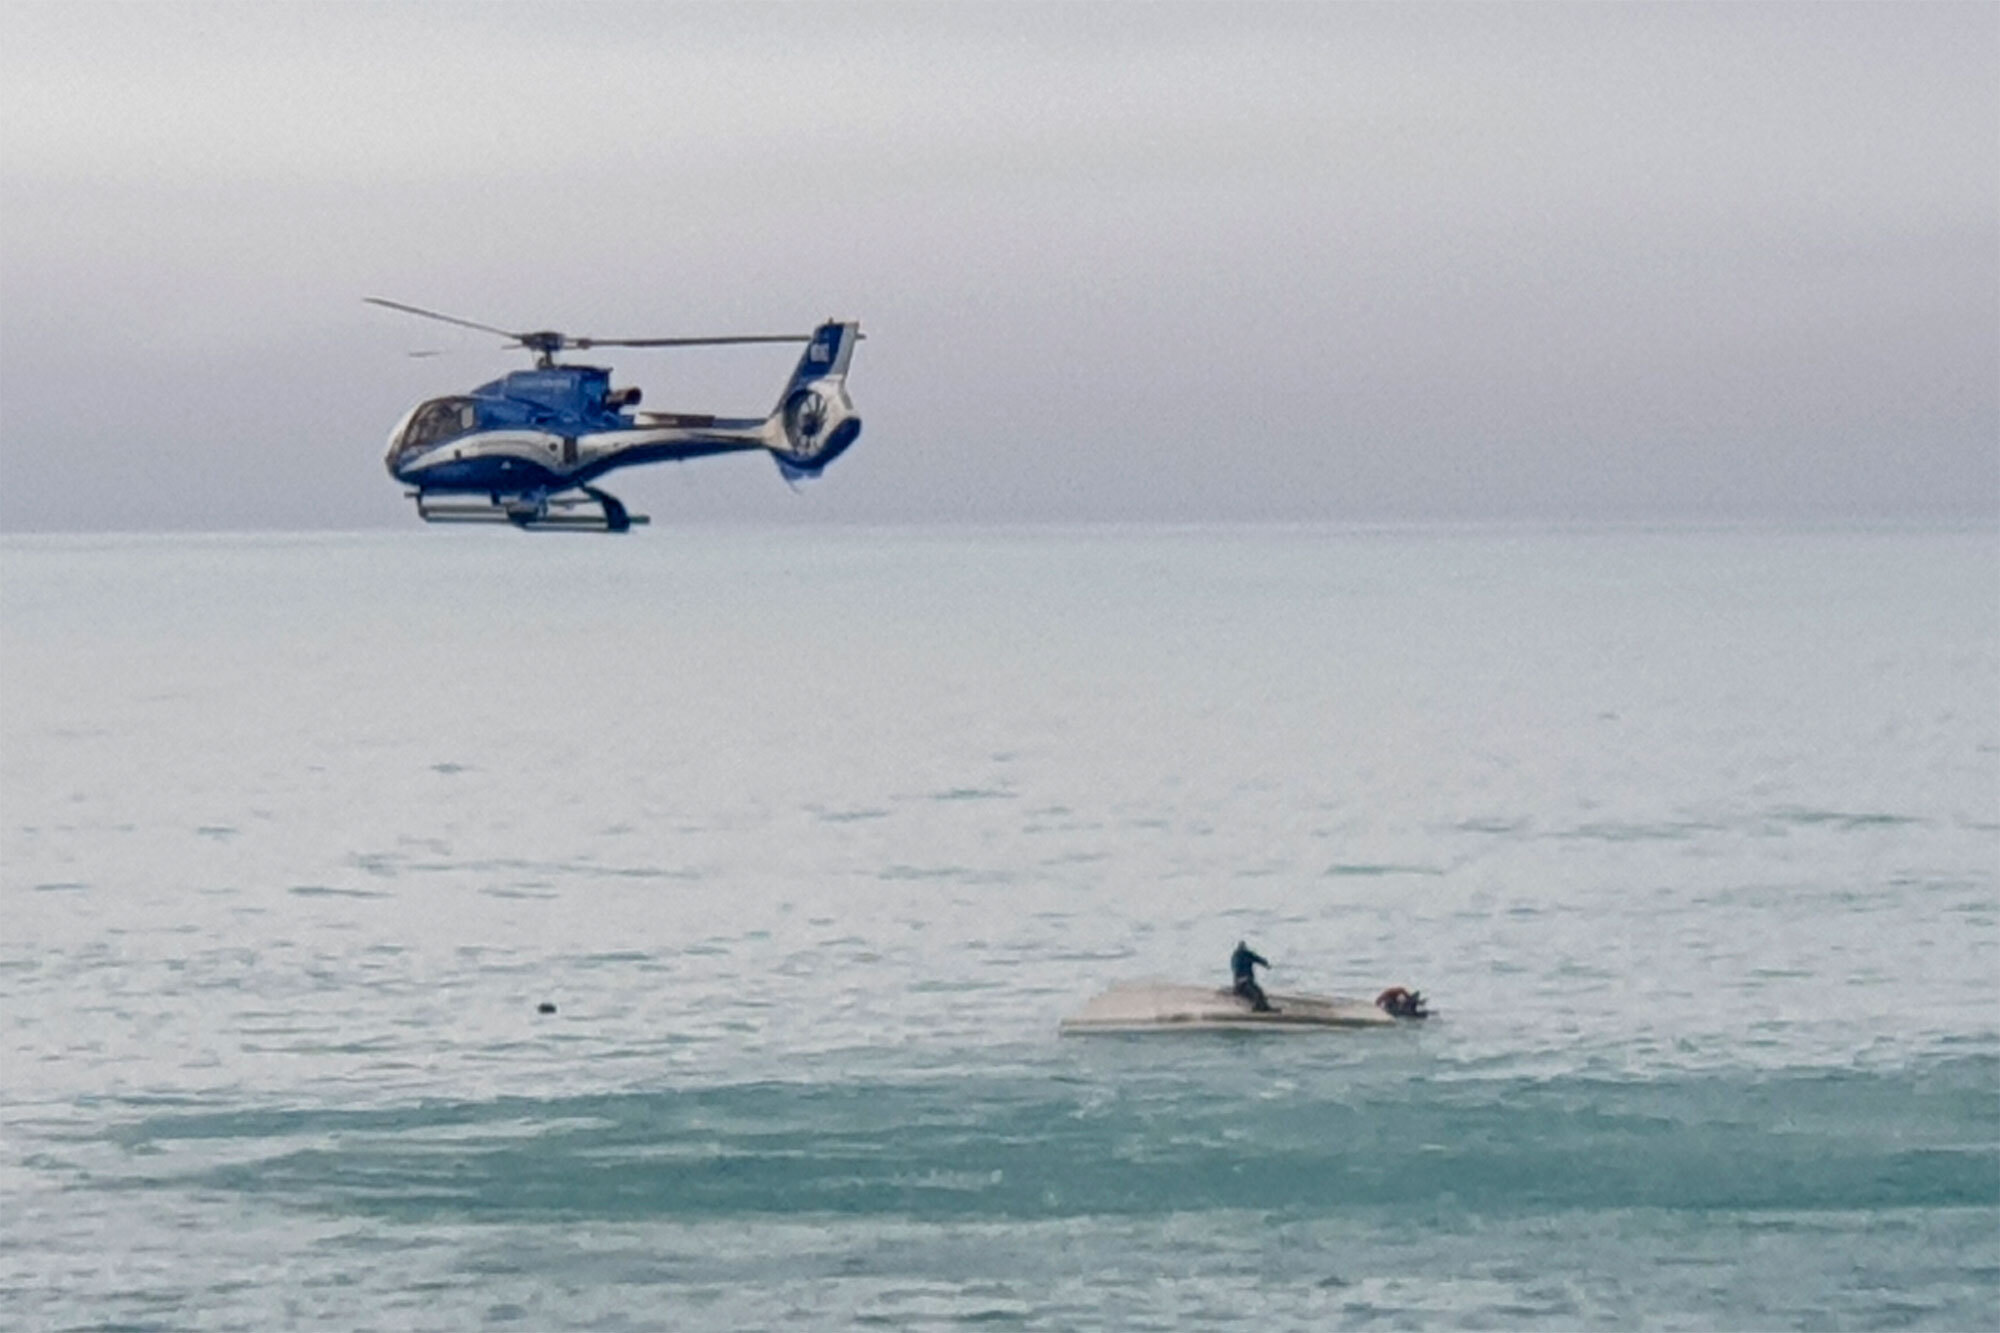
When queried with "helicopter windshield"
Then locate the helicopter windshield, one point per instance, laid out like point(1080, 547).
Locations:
point(435, 422)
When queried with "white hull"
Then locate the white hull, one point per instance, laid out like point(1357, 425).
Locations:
point(1153, 1006)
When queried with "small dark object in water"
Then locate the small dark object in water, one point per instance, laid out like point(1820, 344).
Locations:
point(1400, 1003)
point(545, 1008)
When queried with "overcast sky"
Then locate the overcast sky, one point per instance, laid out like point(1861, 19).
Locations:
point(1305, 262)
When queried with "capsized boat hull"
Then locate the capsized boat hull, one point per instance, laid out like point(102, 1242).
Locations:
point(1154, 1006)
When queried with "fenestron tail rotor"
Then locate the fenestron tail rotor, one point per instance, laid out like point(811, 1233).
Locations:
point(545, 343)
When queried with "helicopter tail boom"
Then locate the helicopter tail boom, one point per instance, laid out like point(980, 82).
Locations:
point(815, 420)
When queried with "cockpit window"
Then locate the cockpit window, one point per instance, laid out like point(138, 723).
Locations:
point(438, 421)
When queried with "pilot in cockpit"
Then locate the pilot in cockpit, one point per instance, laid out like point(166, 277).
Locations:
point(439, 421)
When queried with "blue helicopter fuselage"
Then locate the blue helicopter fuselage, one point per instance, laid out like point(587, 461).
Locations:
point(534, 429)
point(535, 434)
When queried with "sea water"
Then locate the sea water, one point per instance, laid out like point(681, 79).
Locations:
point(812, 837)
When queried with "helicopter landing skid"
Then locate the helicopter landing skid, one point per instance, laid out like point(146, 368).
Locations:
point(591, 511)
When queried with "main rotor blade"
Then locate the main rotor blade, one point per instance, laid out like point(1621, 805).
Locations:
point(692, 342)
point(448, 319)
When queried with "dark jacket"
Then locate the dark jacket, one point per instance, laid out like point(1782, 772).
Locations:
point(1240, 963)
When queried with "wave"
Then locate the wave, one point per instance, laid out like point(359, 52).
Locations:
point(1115, 1134)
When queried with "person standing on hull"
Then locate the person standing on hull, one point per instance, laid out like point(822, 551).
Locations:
point(1243, 965)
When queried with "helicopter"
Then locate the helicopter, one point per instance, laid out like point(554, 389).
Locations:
point(524, 448)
